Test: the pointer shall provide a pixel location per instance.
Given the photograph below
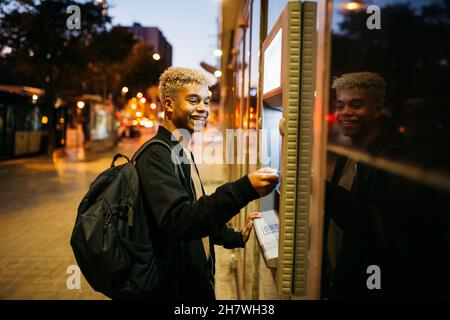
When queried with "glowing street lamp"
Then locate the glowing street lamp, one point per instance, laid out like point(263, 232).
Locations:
point(352, 6)
point(80, 104)
point(156, 57)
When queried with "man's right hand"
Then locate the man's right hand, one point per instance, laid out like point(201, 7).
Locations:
point(264, 180)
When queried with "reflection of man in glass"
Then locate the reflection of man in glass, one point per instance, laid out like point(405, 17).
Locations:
point(359, 100)
point(352, 239)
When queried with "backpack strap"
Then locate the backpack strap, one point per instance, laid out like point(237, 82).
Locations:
point(152, 141)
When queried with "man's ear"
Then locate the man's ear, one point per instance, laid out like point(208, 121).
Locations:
point(168, 105)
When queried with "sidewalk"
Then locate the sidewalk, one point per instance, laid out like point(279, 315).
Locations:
point(39, 197)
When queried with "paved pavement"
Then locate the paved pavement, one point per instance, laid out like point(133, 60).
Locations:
point(39, 197)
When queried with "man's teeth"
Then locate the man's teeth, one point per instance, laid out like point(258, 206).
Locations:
point(198, 118)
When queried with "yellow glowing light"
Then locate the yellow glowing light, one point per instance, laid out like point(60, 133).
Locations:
point(44, 120)
point(352, 6)
point(61, 120)
point(125, 89)
point(133, 106)
point(139, 95)
point(143, 100)
point(153, 106)
point(156, 56)
point(251, 116)
point(209, 93)
point(138, 114)
point(135, 122)
point(35, 97)
point(80, 104)
point(134, 100)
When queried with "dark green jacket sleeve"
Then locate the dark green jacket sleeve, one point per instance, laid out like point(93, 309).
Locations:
point(171, 206)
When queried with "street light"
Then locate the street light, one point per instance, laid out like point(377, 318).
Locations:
point(156, 56)
point(80, 104)
point(352, 6)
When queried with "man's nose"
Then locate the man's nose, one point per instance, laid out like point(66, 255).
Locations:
point(346, 110)
point(202, 107)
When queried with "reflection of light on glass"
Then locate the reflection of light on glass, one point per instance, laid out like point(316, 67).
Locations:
point(153, 105)
point(44, 120)
point(352, 6)
point(161, 114)
point(253, 92)
point(138, 114)
point(272, 64)
point(139, 95)
point(156, 56)
point(218, 73)
point(330, 117)
point(80, 104)
point(143, 100)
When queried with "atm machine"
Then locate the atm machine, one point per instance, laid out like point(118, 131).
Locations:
point(287, 98)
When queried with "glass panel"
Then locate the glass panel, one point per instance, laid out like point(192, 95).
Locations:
point(385, 232)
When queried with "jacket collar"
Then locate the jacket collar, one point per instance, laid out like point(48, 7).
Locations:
point(167, 135)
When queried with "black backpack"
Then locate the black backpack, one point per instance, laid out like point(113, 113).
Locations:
point(111, 240)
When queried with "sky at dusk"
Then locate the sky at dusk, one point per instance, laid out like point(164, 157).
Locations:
point(190, 26)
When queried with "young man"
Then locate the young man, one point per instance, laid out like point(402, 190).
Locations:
point(186, 223)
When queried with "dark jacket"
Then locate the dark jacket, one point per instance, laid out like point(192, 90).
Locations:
point(398, 225)
point(178, 222)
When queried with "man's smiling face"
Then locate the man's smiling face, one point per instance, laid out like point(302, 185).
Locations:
point(191, 107)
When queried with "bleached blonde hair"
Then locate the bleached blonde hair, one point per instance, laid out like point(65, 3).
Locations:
point(370, 81)
point(175, 77)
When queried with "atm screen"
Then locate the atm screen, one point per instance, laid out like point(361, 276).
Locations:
point(272, 151)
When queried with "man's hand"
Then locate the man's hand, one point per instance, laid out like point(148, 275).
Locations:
point(263, 180)
point(249, 225)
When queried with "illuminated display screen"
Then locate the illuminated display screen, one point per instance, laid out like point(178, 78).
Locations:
point(272, 64)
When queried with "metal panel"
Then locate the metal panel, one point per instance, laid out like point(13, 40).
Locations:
point(307, 84)
point(291, 96)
